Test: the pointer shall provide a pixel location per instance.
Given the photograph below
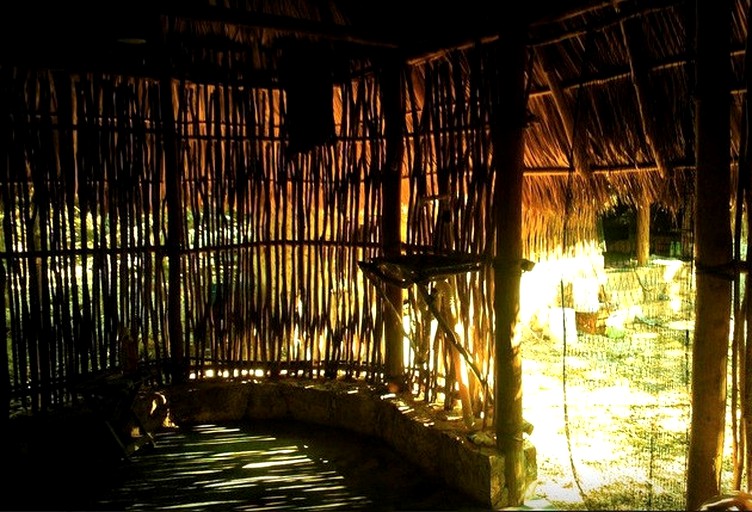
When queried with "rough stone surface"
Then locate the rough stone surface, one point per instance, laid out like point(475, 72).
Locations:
point(427, 436)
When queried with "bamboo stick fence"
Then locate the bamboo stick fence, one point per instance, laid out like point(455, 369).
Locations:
point(269, 240)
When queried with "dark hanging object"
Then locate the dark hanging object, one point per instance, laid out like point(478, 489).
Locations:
point(306, 74)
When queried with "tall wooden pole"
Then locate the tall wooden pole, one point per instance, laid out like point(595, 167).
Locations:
point(713, 250)
point(642, 245)
point(745, 349)
point(178, 366)
point(507, 124)
point(392, 104)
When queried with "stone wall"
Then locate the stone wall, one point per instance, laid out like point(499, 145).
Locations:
point(427, 436)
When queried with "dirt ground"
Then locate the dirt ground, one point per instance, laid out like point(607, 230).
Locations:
point(611, 419)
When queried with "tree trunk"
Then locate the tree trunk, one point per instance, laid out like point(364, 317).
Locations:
point(508, 124)
point(713, 249)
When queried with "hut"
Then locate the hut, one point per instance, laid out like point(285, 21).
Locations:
point(196, 193)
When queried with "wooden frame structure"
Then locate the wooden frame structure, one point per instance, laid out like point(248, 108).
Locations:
point(161, 195)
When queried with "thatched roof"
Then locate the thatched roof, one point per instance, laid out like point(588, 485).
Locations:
point(610, 82)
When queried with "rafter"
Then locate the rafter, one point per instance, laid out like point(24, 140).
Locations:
point(576, 143)
point(639, 67)
point(319, 29)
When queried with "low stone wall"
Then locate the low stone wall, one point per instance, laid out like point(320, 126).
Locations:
point(428, 437)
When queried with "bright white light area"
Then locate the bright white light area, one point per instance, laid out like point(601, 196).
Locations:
point(199, 505)
point(280, 462)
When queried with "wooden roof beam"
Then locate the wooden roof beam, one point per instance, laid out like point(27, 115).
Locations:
point(612, 169)
point(320, 29)
point(574, 139)
point(543, 34)
point(670, 63)
point(639, 68)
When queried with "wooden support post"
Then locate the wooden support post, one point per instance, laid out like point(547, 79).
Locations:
point(392, 103)
point(173, 184)
point(642, 245)
point(745, 348)
point(507, 125)
point(713, 248)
